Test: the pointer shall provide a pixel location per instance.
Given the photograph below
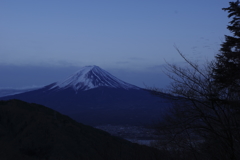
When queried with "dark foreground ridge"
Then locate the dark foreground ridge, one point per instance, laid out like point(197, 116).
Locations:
point(32, 131)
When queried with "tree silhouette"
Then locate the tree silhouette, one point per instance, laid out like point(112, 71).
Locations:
point(226, 72)
point(204, 121)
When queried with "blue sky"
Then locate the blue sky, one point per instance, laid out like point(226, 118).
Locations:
point(48, 40)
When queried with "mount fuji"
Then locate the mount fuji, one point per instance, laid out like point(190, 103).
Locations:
point(95, 97)
point(91, 77)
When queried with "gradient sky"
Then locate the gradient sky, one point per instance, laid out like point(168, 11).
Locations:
point(43, 41)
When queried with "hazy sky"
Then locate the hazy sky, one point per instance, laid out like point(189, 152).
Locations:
point(43, 41)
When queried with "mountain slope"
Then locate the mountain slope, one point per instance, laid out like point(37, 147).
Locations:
point(94, 97)
point(31, 131)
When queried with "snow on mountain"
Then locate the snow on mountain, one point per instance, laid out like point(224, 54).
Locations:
point(90, 77)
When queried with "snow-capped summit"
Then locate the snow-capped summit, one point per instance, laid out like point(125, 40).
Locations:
point(90, 77)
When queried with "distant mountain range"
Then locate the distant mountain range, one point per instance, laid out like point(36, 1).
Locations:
point(95, 97)
point(10, 91)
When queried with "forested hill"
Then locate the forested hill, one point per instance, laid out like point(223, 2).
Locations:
point(31, 131)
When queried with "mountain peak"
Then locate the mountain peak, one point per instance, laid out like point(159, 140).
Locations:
point(90, 77)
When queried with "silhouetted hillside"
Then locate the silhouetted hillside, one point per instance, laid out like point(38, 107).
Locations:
point(31, 131)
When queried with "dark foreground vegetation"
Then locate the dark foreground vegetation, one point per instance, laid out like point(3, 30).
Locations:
point(31, 131)
point(204, 120)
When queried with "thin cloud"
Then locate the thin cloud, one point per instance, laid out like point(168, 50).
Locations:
point(136, 58)
point(122, 62)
